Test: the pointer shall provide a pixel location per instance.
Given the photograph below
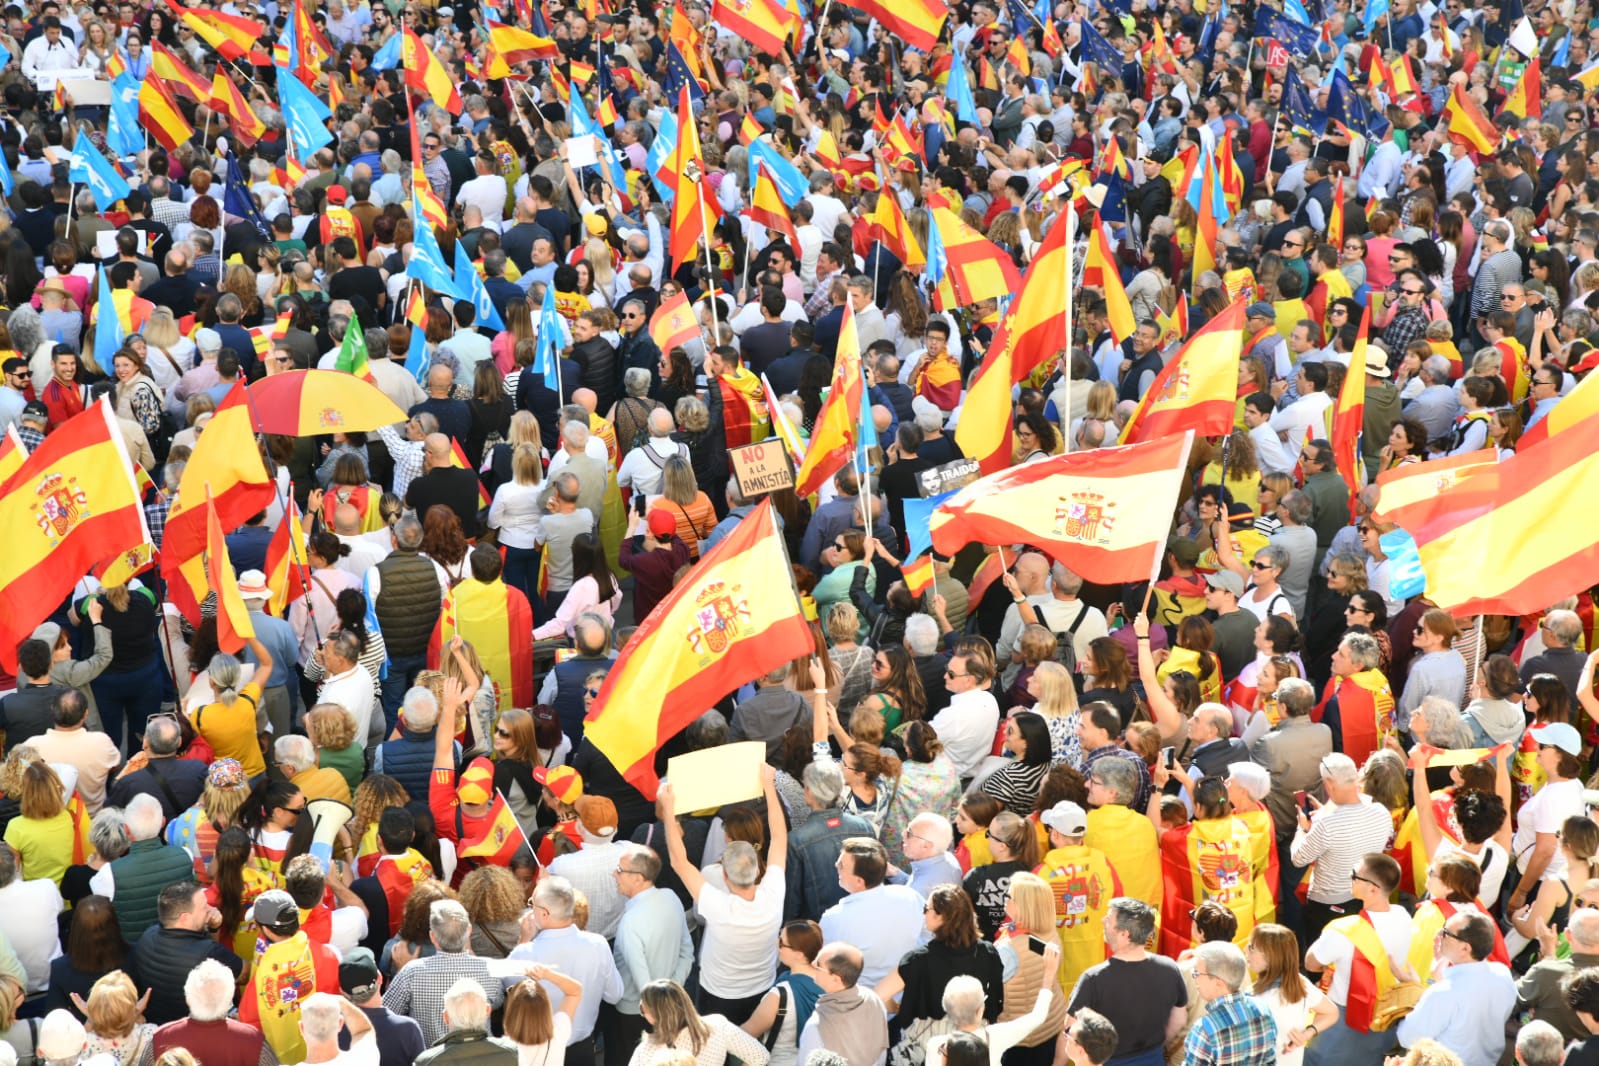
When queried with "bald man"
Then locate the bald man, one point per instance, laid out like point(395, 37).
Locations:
point(455, 417)
point(445, 484)
point(366, 551)
point(848, 1019)
point(1029, 584)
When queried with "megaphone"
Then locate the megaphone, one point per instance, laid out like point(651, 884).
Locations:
point(328, 816)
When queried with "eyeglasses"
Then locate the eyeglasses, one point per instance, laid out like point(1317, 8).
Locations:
point(953, 674)
point(1451, 934)
point(592, 693)
point(621, 870)
point(1358, 876)
point(1420, 630)
point(506, 733)
point(23, 374)
point(1291, 244)
point(1573, 118)
point(1352, 609)
point(1414, 292)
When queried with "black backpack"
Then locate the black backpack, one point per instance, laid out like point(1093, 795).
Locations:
point(1065, 646)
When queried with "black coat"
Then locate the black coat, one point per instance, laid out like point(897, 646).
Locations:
point(451, 486)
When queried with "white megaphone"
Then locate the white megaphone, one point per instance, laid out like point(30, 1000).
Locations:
point(328, 816)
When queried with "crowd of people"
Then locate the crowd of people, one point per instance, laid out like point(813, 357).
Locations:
point(1017, 815)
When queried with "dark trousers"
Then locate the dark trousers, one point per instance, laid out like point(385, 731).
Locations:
point(622, 1034)
point(737, 1011)
point(522, 571)
point(582, 1053)
point(402, 671)
point(1317, 915)
point(128, 699)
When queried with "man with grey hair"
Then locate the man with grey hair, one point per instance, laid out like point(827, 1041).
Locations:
point(816, 841)
point(133, 883)
point(1333, 837)
point(407, 451)
point(1212, 746)
point(1360, 705)
point(1297, 542)
point(964, 1003)
point(927, 852)
point(1060, 611)
point(206, 1029)
point(742, 908)
point(1498, 267)
point(771, 712)
point(349, 684)
point(406, 594)
point(1143, 995)
point(1235, 1028)
point(926, 646)
point(322, 1016)
point(421, 985)
point(1540, 1044)
point(1561, 631)
point(567, 517)
point(408, 757)
point(1436, 405)
point(296, 759)
point(462, 1022)
point(1539, 989)
point(576, 457)
point(641, 468)
point(551, 937)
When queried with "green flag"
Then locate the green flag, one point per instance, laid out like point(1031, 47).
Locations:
point(352, 352)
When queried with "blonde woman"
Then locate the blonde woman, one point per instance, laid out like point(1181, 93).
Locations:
point(1055, 700)
point(682, 498)
point(114, 1015)
point(1029, 950)
point(332, 729)
point(516, 512)
point(168, 353)
point(1101, 411)
point(853, 661)
point(494, 900)
point(45, 835)
point(196, 829)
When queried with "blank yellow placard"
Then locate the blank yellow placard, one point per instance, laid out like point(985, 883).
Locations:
point(703, 780)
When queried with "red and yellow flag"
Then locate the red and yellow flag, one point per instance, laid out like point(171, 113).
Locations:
point(1365, 712)
point(917, 23)
point(918, 574)
point(458, 460)
point(693, 213)
point(1410, 484)
point(496, 620)
point(232, 36)
point(1198, 388)
point(287, 570)
point(1348, 418)
point(833, 439)
point(433, 209)
point(1173, 327)
point(1526, 99)
point(1031, 333)
point(516, 45)
point(686, 36)
point(1335, 215)
point(1465, 122)
point(70, 504)
point(226, 98)
point(1104, 512)
point(426, 74)
point(1574, 408)
point(760, 22)
point(1100, 272)
point(674, 324)
point(1209, 860)
point(888, 220)
point(975, 269)
point(234, 628)
point(500, 839)
point(731, 619)
point(13, 453)
point(159, 113)
point(228, 461)
point(749, 130)
point(767, 207)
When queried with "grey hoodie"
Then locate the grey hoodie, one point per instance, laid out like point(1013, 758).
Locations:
point(78, 674)
point(851, 1023)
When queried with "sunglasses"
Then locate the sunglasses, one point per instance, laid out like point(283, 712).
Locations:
point(506, 733)
point(1260, 566)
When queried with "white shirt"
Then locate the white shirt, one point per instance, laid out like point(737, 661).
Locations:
point(353, 691)
point(1546, 812)
point(1307, 412)
point(1269, 450)
point(486, 192)
point(1335, 949)
point(43, 58)
point(641, 471)
point(1381, 176)
point(966, 728)
point(364, 1051)
point(28, 911)
point(738, 953)
point(826, 211)
point(1492, 860)
point(93, 754)
point(365, 553)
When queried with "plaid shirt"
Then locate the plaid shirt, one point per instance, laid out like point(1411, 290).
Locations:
point(169, 212)
point(822, 299)
point(417, 991)
point(155, 516)
point(407, 455)
point(1235, 1030)
point(1408, 324)
point(1110, 751)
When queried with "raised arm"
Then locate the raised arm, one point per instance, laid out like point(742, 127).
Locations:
point(1167, 718)
point(776, 825)
point(1426, 819)
point(686, 871)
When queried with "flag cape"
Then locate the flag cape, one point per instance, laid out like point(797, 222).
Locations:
point(496, 620)
point(70, 505)
point(742, 423)
point(397, 875)
point(1099, 271)
point(1132, 847)
point(228, 460)
point(731, 619)
point(234, 628)
point(1032, 331)
point(1370, 976)
point(1082, 882)
point(837, 427)
point(1430, 917)
point(1365, 712)
point(1104, 512)
point(1263, 838)
point(1207, 860)
point(1198, 388)
point(1348, 417)
point(1485, 517)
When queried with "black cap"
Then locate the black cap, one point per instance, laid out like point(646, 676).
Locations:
point(276, 910)
point(35, 409)
point(358, 974)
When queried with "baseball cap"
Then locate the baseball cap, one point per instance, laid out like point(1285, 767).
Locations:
point(336, 194)
point(275, 909)
point(253, 585)
point(597, 816)
point(207, 339)
point(477, 783)
point(662, 524)
point(1557, 735)
point(1185, 551)
point(61, 1036)
point(35, 411)
point(1260, 309)
point(1066, 818)
point(1227, 581)
point(564, 782)
point(358, 974)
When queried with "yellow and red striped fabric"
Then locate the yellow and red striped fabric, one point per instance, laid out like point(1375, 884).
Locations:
point(234, 628)
point(1198, 389)
point(674, 324)
point(1405, 486)
point(757, 21)
point(1100, 271)
point(767, 207)
point(425, 73)
point(496, 620)
point(159, 114)
point(165, 64)
point(245, 123)
point(887, 219)
point(286, 565)
point(1464, 122)
point(1349, 415)
point(833, 438)
point(976, 269)
point(1209, 860)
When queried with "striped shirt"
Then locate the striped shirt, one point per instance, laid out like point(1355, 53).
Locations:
point(1340, 836)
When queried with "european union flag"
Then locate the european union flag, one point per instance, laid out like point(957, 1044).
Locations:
point(1099, 51)
point(1344, 105)
point(1114, 207)
point(1021, 18)
point(1299, 105)
point(470, 286)
point(91, 167)
point(236, 198)
point(679, 74)
point(1295, 36)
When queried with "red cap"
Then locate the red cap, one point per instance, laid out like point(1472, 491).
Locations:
point(662, 524)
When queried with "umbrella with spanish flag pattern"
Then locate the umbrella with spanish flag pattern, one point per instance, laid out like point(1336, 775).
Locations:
point(305, 403)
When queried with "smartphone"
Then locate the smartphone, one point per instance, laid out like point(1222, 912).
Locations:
point(1168, 757)
point(639, 504)
point(1036, 945)
point(1303, 799)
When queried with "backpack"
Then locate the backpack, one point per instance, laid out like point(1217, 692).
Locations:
point(1065, 647)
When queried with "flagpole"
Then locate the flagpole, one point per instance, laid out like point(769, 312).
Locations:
point(1067, 217)
point(697, 176)
point(821, 31)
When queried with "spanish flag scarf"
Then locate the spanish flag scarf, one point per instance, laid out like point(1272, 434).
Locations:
point(285, 975)
point(744, 417)
point(1208, 860)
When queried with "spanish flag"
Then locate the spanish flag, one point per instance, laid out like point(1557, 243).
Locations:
point(749, 130)
point(1361, 709)
point(686, 36)
point(165, 64)
point(426, 74)
point(1263, 835)
point(674, 324)
point(732, 618)
point(838, 425)
point(458, 460)
point(1128, 840)
point(1082, 882)
point(1588, 76)
point(1335, 215)
point(917, 23)
point(70, 504)
point(1032, 332)
point(159, 113)
point(975, 268)
point(1484, 516)
point(1173, 327)
point(433, 209)
point(757, 21)
point(1209, 860)
point(287, 570)
point(827, 153)
point(226, 98)
point(232, 36)
point(767, 207)
point(228, 460)
point(1370, 973)
point(693, 213)
point(1464, 121)
point(918, 575)
point(1100, 272)
point(782, 426)
point(500, 839)
point(1406, 486)
point(1198, 389)
point(1401, 79)
point(1016, 55)
point(1103, 512)
point(1527, 97)
point(901, 142)
point(1349, 416)
point(234, 628)
point(13, 453)
point(1574, 408)
point(496, 620)
point(516, 45)
point(889, 221)
point(1206, 228)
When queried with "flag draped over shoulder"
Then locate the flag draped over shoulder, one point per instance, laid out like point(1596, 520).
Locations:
point(1104, 512)
point(496, 620)
point(227, 459)
point(70, 505)
point(1211, 859)
point(731, 619)
point(1198, 389)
